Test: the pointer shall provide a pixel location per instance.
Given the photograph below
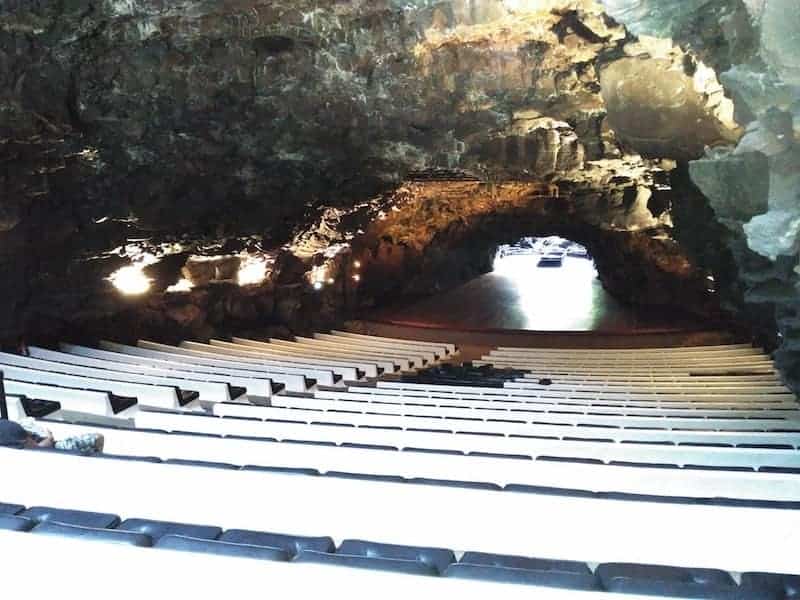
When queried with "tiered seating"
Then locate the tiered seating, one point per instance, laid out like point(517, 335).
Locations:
point(662, 473)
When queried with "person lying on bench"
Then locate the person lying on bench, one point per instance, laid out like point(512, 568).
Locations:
point(31, 435)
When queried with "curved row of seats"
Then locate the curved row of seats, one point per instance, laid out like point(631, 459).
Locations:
point(588, 468)
point(497, 470)
point(93, 380)
point(392, 558)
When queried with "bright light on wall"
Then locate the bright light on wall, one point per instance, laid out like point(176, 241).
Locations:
point(131, 280)
point(184, 285)
point(253, 270)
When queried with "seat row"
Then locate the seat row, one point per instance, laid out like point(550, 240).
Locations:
point(393, 558)
point(626, 471)
point(113, 380)
point(594, 528)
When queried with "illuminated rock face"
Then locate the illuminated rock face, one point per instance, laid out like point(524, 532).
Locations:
point(752, 183)
point(445, 232)
point(233, 128)
point(664, 106)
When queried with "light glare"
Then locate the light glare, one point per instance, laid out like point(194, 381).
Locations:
point(184, 285)
point(131, 280)
point(253, 270)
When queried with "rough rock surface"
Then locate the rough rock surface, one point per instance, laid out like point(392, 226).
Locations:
point(753, 185)
point(404, 134)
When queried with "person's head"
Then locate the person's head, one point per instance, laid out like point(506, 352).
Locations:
point(12, 435)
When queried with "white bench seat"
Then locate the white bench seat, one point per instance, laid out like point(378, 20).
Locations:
point(763, 388)
point(499, 411)
point(256, 385)
point(148, 394)
point(519, 424)
point(431, 353)
point(447, 347)
point(415, 438)
point(81, 400)
point(524, 524)
point(497, 470)
point(210, 391)
point(642, 363)
point(676, 455)
point(348, 370)
point(455, 390)
point(679, 350)
point(403, 397)
point(622, 370)
point(418, 358)
point(113, 563)
point(370, 365)
point(294, 378)
point(735, 380)
point(388, 363)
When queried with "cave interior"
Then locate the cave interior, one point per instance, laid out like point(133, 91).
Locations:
point(197, 169)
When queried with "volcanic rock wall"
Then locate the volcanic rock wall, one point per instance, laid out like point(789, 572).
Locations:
point(133, 128)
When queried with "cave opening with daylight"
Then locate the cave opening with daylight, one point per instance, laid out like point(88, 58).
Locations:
point(553, 285)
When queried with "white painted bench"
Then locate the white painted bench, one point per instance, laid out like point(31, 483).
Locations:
point(711, 381)
point(430, 353)
point(293, 378)
point(627, 368)
point(113, 563)
point(497, 470)
point(525, 524)
point(148, 395)
point(447, 347)
point(369, 366)
point(418, 358)
point(254, 386)
point(79, 400)
point(680, 455)
point(209, 391)
point(679, 350)
point(407, 438)
point(444, 390)
point(388, 363)
point(346, 369)
point(499, 411)
point(521, 423)
point(762, 388)
point(707, 401)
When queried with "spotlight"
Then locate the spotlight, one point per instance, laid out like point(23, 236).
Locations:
point(317, 285)
point(131, 280)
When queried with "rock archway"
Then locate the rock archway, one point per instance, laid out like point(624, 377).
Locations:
point(441, 233)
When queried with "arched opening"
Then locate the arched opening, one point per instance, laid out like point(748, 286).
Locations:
point(539, 283)
point(548, 283)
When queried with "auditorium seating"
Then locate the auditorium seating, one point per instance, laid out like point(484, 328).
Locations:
point(602, 473)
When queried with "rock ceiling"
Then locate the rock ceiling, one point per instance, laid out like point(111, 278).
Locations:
point(139, 128)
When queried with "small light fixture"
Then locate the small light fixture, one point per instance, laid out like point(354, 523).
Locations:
point(356, 277)
point(330, 280)
point(317, 285)
point(357, 264)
